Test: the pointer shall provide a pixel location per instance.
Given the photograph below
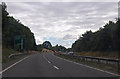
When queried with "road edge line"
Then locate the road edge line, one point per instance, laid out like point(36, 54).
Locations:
point(88, 66)
point(13, 65)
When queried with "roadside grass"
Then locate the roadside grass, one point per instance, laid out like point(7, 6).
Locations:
point(8, 51)
point(41, 52)
point(106, 67)
point(113, 55)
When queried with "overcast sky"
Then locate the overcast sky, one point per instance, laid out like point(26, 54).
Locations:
point(62, 22)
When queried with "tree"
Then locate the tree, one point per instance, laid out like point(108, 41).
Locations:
point(59, 48)
point(12, 28)
point(47, 45)
point(39, 47)
point(104, 39)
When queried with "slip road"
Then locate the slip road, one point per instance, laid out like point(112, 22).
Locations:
point(48, 65)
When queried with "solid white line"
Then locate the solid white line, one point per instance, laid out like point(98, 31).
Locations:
point(13, 65)
point(88, 66)
point(56, 67)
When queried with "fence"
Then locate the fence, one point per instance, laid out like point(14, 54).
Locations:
point(16, 54)
point(96, 59)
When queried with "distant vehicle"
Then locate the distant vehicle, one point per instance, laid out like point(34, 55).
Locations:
point(70, 53)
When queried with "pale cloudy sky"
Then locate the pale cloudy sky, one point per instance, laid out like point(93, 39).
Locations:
point(62, 22)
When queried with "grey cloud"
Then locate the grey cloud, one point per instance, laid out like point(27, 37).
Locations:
point(62, 20)
point(69, 37)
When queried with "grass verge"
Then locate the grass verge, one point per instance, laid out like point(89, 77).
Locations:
point(112, 55)
point(8, 51)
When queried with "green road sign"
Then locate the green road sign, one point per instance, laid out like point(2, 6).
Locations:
point(19, 43)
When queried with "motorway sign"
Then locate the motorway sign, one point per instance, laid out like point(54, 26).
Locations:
point(19, 43)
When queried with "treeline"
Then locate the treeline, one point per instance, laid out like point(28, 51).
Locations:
point(105, 39)
point(11, 28)
point(48, 45)
point(59, 48)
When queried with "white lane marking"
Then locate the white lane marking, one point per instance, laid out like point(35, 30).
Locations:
point(88, 66)
point(46, 59)
point(56, 67)
point(49, 62)
point(13, 65)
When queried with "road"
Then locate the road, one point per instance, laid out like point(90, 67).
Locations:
point(48, 65)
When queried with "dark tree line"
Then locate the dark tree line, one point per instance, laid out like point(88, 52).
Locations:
point(48, 45)
point(12, 27)
point(40, 47)
point(105, 39)
point(59, 48)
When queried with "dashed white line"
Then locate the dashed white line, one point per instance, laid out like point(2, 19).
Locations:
point(13, 65)
point(46, 59)
point(56, 67)
point(49, 62)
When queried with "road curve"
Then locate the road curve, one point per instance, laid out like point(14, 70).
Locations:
point(48, 65)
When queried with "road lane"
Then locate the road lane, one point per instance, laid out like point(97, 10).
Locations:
point(34, 66)
point(78, 70)
point(48, 65)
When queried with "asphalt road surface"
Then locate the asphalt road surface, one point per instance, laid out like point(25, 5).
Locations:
point(48, 65)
